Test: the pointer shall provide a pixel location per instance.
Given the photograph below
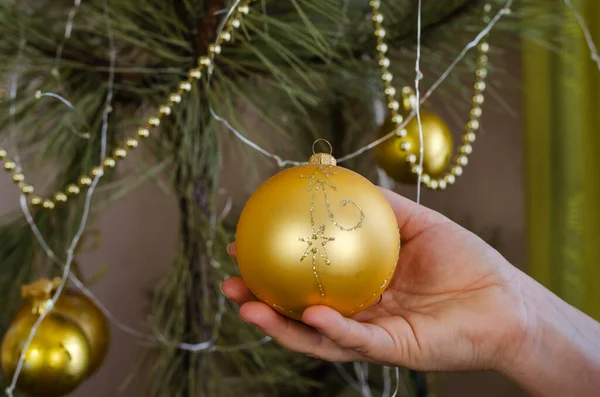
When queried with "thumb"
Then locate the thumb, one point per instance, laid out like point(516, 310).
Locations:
point(412, 218)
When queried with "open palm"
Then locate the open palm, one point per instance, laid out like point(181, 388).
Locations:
point(453, 304)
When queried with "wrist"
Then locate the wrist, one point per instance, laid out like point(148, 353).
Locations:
point(556, 351)
point(518, 340)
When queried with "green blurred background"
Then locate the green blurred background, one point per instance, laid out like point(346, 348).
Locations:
point(561, 88)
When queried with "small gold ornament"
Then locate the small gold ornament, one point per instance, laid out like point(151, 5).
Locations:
point(57, 360)
point(80, 310)
point(399, 155)
point(69, 346)
point(317, 234)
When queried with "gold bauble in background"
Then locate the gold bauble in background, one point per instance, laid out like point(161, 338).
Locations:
point(57, 360)
point(70, 344)
point(393, 154)
point(317, 234)
point(82, 311)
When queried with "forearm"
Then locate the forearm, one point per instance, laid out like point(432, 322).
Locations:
point(560, 355)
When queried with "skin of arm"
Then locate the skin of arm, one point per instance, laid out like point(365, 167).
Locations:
point(561, 352)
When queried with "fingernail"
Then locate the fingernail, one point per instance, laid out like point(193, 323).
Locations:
point(246, 321)
point(378, 301)
point(229, 249)
point(223, 292)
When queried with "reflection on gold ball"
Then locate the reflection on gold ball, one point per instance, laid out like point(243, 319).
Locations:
point(84, 313)
point(57, 360)
point(317, 234)
point(394, 154)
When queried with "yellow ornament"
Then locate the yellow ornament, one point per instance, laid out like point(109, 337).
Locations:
point(317, 234)
point(70, 344)
point(58, 358)
point(399, 155)
point(80, 310)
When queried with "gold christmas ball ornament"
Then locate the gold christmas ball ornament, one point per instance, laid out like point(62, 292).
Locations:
point(317, 234)
point(57, 360)
point(70, 344)
point(399, 155)
point(82, 311)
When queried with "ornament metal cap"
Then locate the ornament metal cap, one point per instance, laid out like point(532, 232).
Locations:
point(41, 289)
point(40, 292)
point(322, 158)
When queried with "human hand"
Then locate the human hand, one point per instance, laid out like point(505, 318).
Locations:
point(453, 304)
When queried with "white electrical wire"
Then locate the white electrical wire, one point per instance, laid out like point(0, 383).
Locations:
point(586, 32)
point(67, 35)
point(64, 100)
point(387, 382)
point(397, 382)
point(347, 377)
point(84, 218)
point(363, 379)
point(418, 77)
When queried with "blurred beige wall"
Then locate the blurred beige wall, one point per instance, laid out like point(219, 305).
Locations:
point(140, 234)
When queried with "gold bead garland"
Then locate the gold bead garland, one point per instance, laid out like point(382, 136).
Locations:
point(85, 181)
point(462, 159)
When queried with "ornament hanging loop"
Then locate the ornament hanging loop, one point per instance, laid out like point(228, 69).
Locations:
point(322, 140)
point(322, 158)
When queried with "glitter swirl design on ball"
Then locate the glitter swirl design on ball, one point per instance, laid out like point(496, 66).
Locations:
point(315, 244)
